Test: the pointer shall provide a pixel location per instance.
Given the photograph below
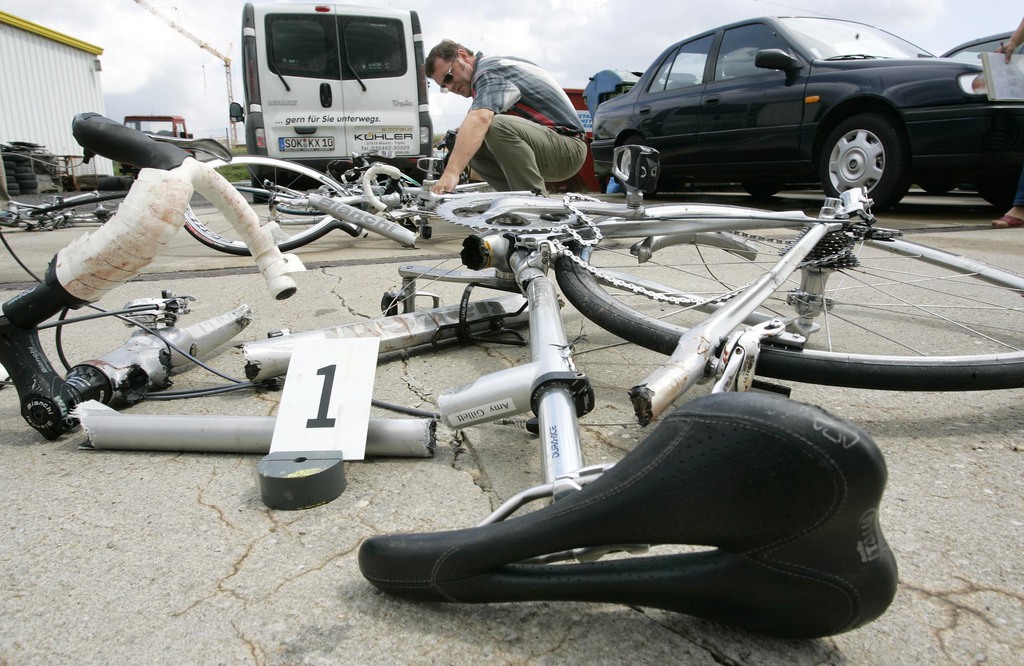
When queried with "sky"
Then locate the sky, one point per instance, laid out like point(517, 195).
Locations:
point(151, 69)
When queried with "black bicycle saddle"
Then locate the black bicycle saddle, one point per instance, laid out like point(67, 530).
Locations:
point(784, 496)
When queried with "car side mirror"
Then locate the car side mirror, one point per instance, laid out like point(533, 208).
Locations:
point(776, 59)
point(235, 112)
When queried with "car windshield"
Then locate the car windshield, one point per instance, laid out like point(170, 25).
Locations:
point(828, 39)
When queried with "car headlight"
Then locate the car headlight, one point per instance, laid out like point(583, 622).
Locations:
point(973, 83)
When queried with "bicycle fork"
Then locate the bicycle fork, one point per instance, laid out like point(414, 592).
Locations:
point(550, 384)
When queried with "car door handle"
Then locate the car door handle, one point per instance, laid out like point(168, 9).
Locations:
point(714, 99)
point(304, 130)
point(326, 96)
point(644, 110)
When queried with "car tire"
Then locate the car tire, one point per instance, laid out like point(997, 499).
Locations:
point(760, 189)
point(866, 150)
point(999, 193)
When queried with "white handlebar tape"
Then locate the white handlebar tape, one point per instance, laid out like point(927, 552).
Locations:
point(370, 176)
point(274, 266)
point(145, 222)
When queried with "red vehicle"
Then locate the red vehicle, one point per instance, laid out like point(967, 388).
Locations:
point(156, 125)
point(159, 125)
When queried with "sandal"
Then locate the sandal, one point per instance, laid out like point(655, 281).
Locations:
point(1007, 221)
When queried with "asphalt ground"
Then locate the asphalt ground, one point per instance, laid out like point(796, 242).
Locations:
point(133, 557)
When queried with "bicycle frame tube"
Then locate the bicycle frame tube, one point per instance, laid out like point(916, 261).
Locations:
point(270, 357)
point(111, 430)
point(949, 260)
point(690, 361)
point(670, 220)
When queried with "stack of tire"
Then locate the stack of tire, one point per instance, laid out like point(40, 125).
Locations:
point(21, 177)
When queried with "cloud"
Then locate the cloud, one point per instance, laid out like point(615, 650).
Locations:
point(148, 66)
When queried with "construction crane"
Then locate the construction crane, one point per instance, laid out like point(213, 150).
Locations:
point(206, 47)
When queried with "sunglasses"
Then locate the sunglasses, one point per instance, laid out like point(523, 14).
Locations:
point(447, 79)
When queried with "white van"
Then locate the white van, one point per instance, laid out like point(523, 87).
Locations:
point(324, 82)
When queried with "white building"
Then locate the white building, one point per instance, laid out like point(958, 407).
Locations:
point(46, 78)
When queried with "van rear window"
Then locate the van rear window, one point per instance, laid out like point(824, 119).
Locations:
point(309, 46)
point(375, 47)
point(303, 45)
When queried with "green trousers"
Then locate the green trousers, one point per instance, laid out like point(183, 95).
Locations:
point(518, 154)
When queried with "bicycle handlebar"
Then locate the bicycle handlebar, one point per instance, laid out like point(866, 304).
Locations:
point(95, 263)
point(786, 494)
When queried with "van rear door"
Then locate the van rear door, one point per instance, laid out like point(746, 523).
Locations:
point(337, 81)
point(301, 85)
point(378, 83)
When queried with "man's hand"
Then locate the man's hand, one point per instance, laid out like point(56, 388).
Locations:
point(471, 135)
point(1007, 50)
point(446, 183)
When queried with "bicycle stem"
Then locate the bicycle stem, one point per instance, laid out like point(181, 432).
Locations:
point(122, 376)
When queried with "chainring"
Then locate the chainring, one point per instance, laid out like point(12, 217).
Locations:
point(497, 211)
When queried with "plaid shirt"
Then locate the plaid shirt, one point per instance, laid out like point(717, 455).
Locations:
point(504, 84)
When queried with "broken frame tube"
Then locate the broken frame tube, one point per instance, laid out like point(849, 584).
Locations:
point(109, 429)
point(269, 358)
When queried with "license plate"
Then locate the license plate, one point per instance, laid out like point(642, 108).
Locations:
point(305, 143)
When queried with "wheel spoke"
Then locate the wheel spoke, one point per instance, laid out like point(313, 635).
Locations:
point(892, 305)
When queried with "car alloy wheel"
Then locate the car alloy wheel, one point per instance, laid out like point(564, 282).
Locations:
point(866, 150)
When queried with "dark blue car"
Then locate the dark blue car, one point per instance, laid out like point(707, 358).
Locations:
point(771, 102)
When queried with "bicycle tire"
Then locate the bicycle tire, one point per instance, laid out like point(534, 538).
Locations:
point(294, 231)
point(974, 369)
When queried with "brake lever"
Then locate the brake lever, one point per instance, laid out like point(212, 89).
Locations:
point(210, 147)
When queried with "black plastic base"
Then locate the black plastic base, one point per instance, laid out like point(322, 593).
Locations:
point(292, 480)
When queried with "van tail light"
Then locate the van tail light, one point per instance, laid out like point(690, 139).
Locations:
point(261, 138)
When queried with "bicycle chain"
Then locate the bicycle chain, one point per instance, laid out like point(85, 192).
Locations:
point(840, 257)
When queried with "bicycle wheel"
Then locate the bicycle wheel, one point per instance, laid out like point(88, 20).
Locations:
point(896, 315)
point(260, 180)
point(82, 210)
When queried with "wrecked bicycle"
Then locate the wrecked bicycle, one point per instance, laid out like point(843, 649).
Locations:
point(806, 563)
point(795, 546)
point(60, 211)
point(301, 205)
